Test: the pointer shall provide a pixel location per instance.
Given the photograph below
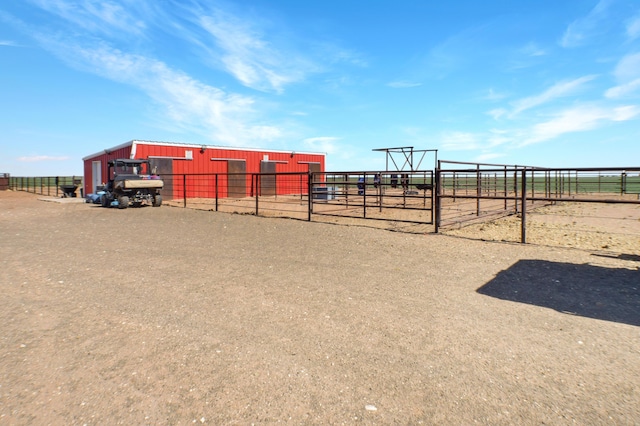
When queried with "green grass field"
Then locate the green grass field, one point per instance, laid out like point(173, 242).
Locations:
point(556, 184)
point(49, 185)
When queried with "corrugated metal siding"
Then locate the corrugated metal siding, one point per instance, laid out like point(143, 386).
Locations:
point(199, 186)
point(122, 152)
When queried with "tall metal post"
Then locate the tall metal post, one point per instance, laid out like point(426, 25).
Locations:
point(523, 216)
point(478, 190)
point(310, 192)
point(506, 198)
point(515, 187)
point(364, 196)
point(217, 192)
point(437, 191)
point(258, 189)
point(184, 189)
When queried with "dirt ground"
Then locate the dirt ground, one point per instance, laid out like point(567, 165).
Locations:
point(609, 228)
point(179, 316)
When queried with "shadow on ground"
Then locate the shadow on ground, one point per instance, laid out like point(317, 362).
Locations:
point(590, 291)
point(623, 256)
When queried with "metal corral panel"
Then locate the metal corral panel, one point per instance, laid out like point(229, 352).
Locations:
point(4, 181)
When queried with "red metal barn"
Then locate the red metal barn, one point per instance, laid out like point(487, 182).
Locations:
point(206, 169)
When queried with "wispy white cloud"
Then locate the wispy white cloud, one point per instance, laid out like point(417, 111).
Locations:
point(8, 43)
point(532, 49)
point(184, 103)
point(582, 29)
point(488, 157)
point(499, 137)
point(403, 84)
point(337, 54)
point(105, 17)
point(247, 55)
point(459, 141)
point(628, 68)
point(39, 158)
point(243, 45)
point(247, 51)
point(558, 90)
point(492, 95)
point(486, 141)
point(633, 27)
point(188, 103)
point(328, 144)
point(627, 74)
point(579, 119)
point(623, 90)
point(497, 113)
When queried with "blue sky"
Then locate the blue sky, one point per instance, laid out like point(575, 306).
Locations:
point(545, 83)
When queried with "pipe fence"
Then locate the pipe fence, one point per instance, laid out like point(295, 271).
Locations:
point(57, 186)
point(456, 196)
point(482, 192)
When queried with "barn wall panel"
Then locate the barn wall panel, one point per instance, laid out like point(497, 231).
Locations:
point(122, 152)
point(202, 170)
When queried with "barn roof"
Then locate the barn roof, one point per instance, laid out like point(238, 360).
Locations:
point(190, 145)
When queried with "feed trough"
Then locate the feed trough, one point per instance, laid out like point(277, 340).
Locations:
point(424, 186)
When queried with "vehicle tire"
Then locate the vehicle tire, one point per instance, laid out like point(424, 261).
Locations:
point(123, 202)
point(104, 200)
point(157, 200)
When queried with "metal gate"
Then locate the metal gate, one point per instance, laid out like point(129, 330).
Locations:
point(384, 195)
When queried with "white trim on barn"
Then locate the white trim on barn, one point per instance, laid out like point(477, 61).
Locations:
point(135, 142)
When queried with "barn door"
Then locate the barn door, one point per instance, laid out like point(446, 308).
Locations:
point(164, 168)
point(315, 168)
point(96, 175)
point(268, 181)
point(237, 178)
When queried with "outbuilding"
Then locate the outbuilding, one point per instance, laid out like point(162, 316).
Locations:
point(174, 160)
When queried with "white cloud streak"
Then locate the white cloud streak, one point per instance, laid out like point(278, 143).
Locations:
point(220, 116)
point(623, 90)
point(627, 74)
point(403, 84)
point(628, 68)
point(488, 157)
point(41, 158)
point(105, 17)
point(247, 55)
point(633, 27)
point(116, 39)
point(459, 141)
point(558, 90)
point(581, 30)
point(579, 119)
point(533, 50)
point(326, 144)
point(187, 103)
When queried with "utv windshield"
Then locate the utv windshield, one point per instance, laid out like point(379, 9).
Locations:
point(131, 168)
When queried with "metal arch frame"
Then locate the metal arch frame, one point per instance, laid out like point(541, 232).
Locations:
point(408, 153)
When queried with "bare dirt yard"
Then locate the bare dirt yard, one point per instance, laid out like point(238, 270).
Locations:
point(609, 228)
point(179, 316)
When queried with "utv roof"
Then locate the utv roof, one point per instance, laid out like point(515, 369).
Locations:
point(127, 161)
